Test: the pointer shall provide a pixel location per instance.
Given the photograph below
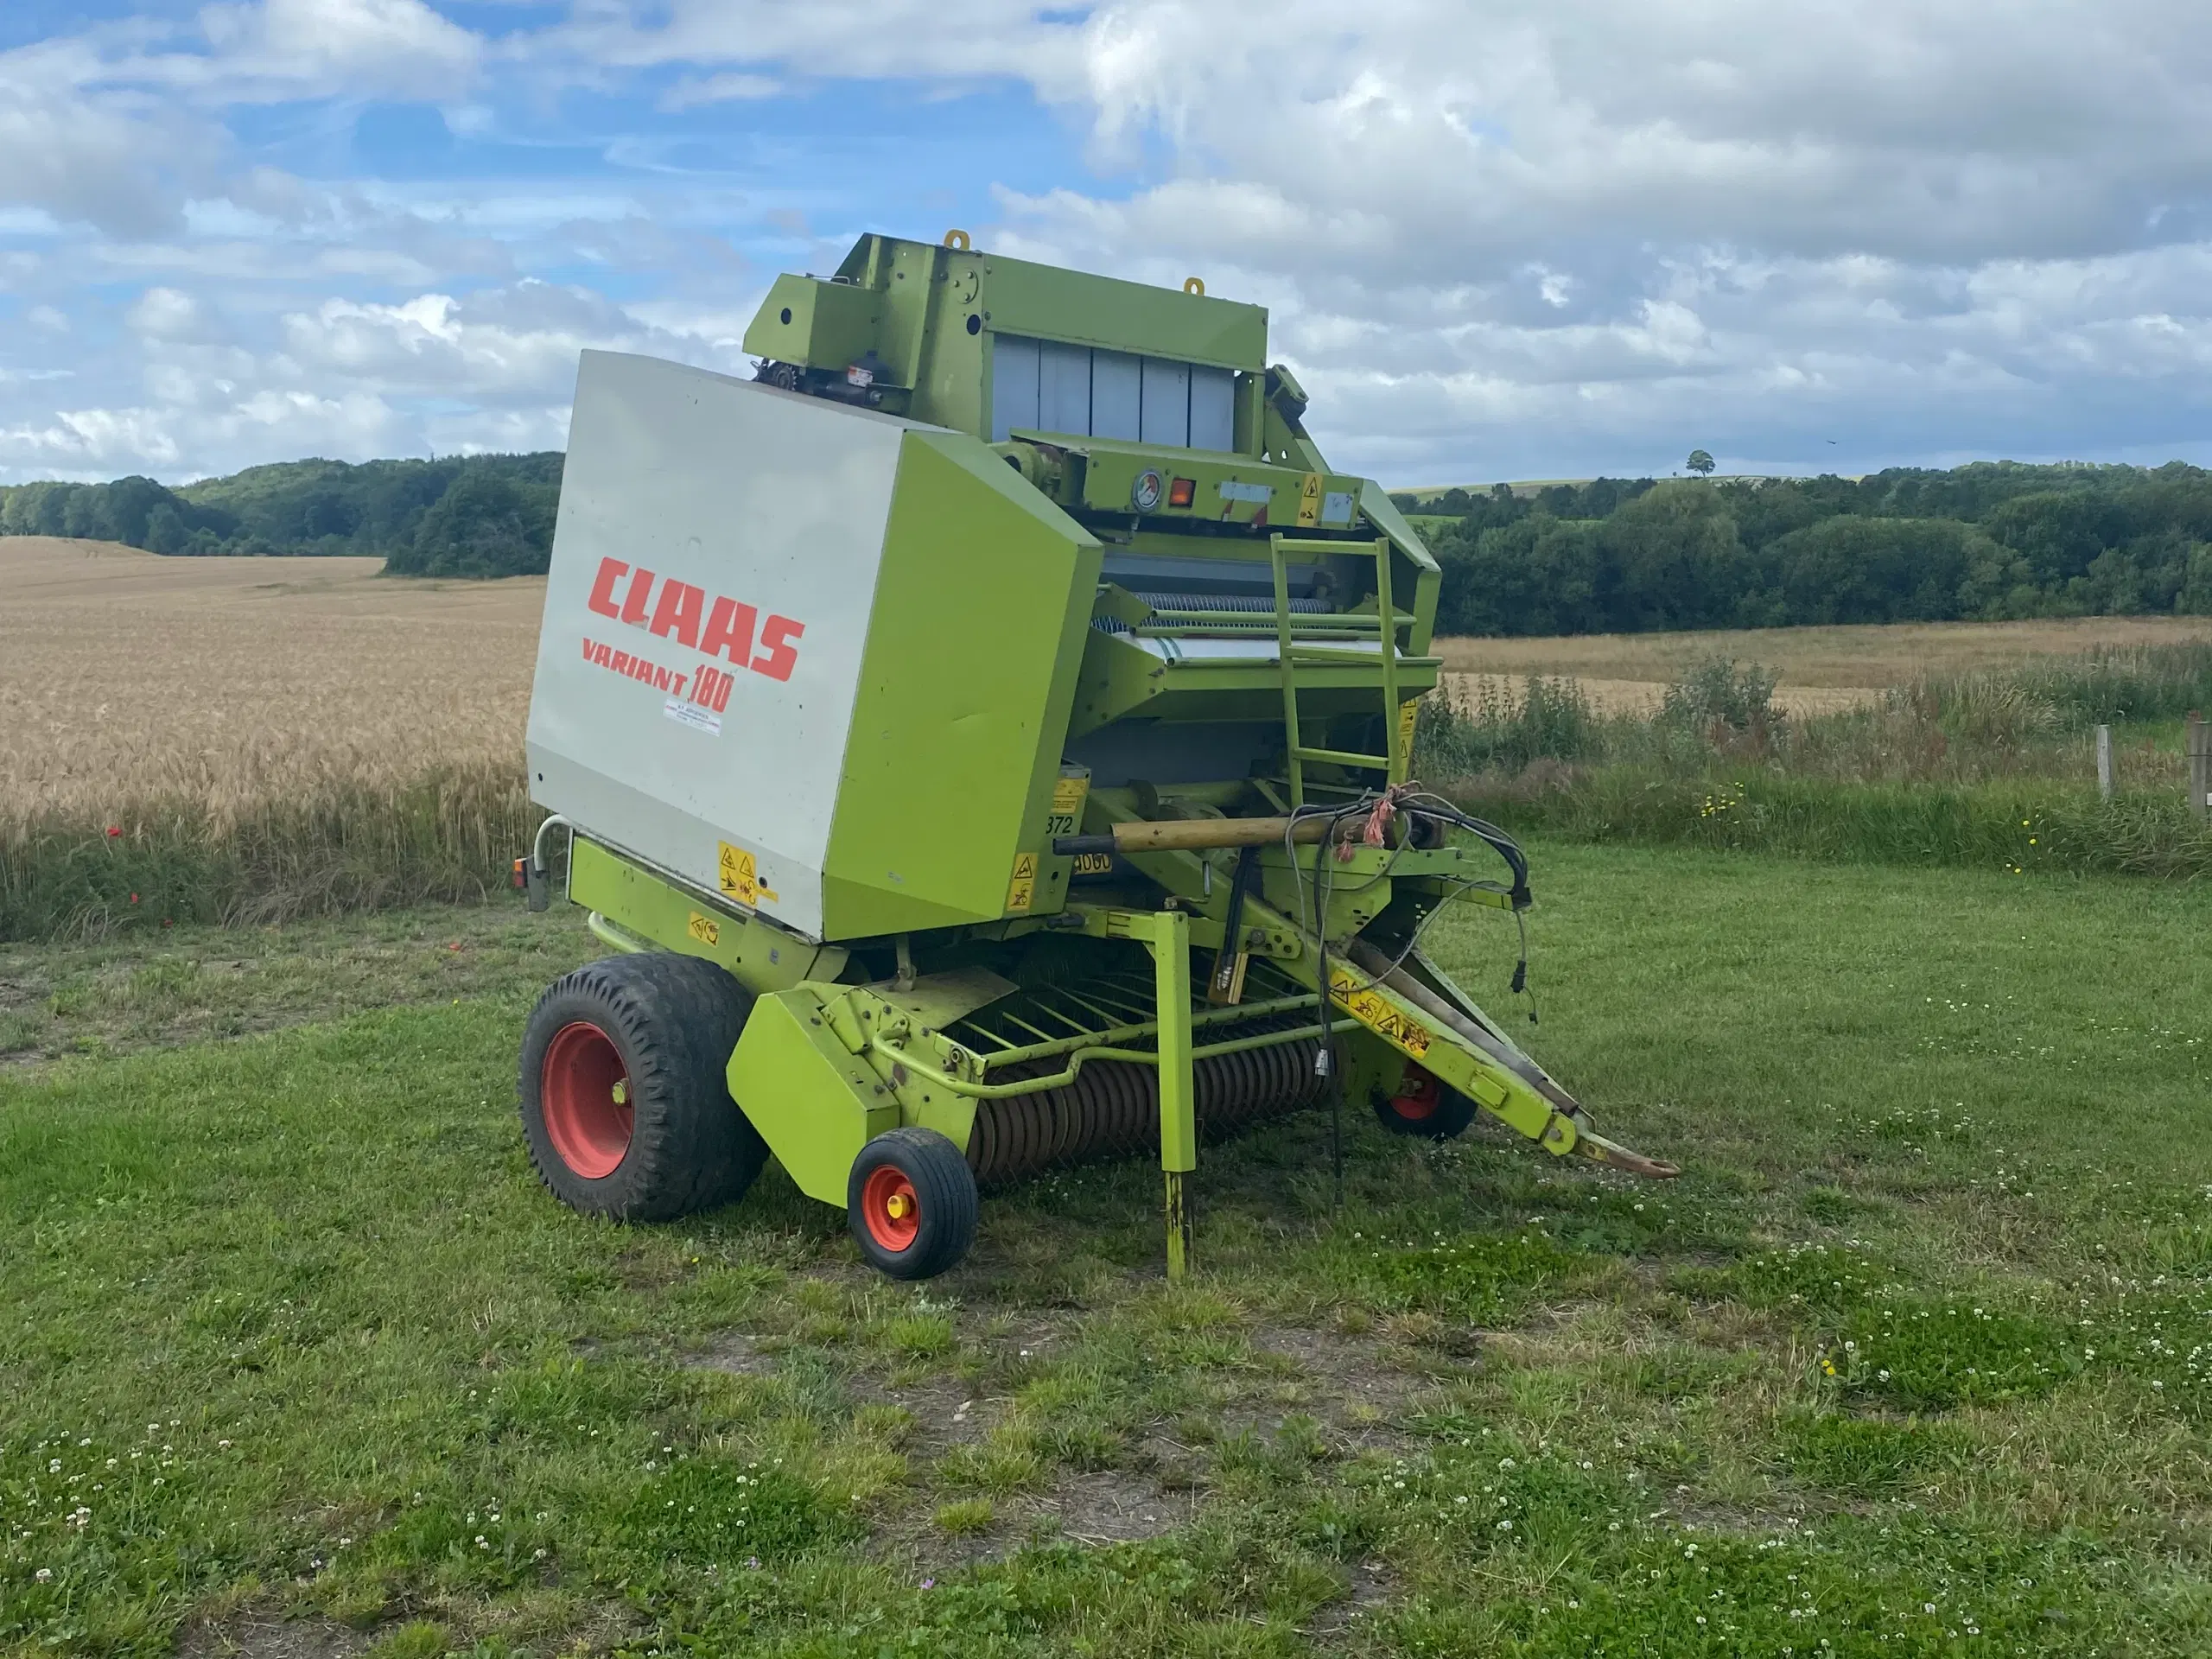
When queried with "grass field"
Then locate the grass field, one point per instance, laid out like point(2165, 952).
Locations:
point(1913, 1359)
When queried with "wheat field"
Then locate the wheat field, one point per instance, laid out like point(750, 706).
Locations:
point(126, 676)
point(1821, 670)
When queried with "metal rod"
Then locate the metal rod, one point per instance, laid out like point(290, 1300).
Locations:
point(1134, 1031)
point(941, 1079)
point(2104, 763)
point(1200, 835)
point(1179, 1107)
point(2200, 765)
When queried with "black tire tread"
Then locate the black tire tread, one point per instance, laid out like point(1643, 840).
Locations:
point(1454, 1114)
point(946, 1187)
point(676, 1020)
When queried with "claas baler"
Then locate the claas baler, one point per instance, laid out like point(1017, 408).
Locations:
point(983, 740)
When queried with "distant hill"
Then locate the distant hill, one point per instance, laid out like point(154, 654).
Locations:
point(463, 516)
point(1994, 540)
point(1986, 541)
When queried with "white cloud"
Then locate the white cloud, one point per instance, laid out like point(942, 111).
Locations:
point(1494, 239)
point(363, 48)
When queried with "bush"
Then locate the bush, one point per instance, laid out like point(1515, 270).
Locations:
point(1715, 691)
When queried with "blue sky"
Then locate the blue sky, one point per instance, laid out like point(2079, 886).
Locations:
point(1495, 240)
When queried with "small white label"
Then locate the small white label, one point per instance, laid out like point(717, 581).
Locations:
point(1233, 490)
point(692, 714)
point(1336, 507)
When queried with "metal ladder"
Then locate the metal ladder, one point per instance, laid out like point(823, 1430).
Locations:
point(1293, 655)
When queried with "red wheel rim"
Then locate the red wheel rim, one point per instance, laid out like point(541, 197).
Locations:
point(1417, 1099)
point(585, 1092)
point(889, 1208)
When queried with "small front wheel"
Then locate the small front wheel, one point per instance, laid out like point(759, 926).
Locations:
point(910, 1203)
point(1425, 1106)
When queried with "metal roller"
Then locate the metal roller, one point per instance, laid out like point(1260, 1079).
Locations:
point(1112, 1109)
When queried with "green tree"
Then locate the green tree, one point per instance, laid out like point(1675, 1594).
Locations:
point(1700, 463)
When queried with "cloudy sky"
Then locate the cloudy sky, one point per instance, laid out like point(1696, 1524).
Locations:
point(1497, 240)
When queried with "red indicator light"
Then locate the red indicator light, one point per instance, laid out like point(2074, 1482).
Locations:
point(1182, 492)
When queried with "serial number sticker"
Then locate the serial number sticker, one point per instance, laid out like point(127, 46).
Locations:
point(1094, 863)
point(705, 929)
point(1021, 891)
point(690, 714)
point(1376, 1014)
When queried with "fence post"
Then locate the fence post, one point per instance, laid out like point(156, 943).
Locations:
point(2200, 765)
point(2104, 763)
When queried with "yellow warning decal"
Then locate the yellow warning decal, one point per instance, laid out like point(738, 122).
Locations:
point(1377, 1013)
point(740, 876)
point(1068, 794)
point(1023, 888)
point(1408, 713)
point(1309, 499)
point(705, 929)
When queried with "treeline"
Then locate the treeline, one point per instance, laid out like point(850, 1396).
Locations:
point(1992, 540)
point(464, 516)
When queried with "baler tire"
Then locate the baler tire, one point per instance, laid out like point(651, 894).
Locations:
point(927, 1171)
point(1444, 1115)
point(669, 1023)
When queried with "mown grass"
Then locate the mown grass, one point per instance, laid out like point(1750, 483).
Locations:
point(1832, 1392)
point(1992, 769)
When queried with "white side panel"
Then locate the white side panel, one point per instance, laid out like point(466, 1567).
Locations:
point(1014, 386)
point(1213, 409)
point(1063, 388)
point(690, 500)
point(1115, 395)
point(1167, 418)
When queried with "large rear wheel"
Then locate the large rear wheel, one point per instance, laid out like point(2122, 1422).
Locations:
point(625, 1103)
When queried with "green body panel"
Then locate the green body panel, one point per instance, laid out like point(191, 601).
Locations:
point(831, 322)
point(955, 746)
point(814, 1102)
point(1046, 302)
point(762, 956)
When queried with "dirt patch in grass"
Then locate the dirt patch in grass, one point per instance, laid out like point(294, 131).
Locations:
point(1113, 1506)
point(1347, 1384)
point(269, 1636)
point(734, 1354)
point(947, 1411)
